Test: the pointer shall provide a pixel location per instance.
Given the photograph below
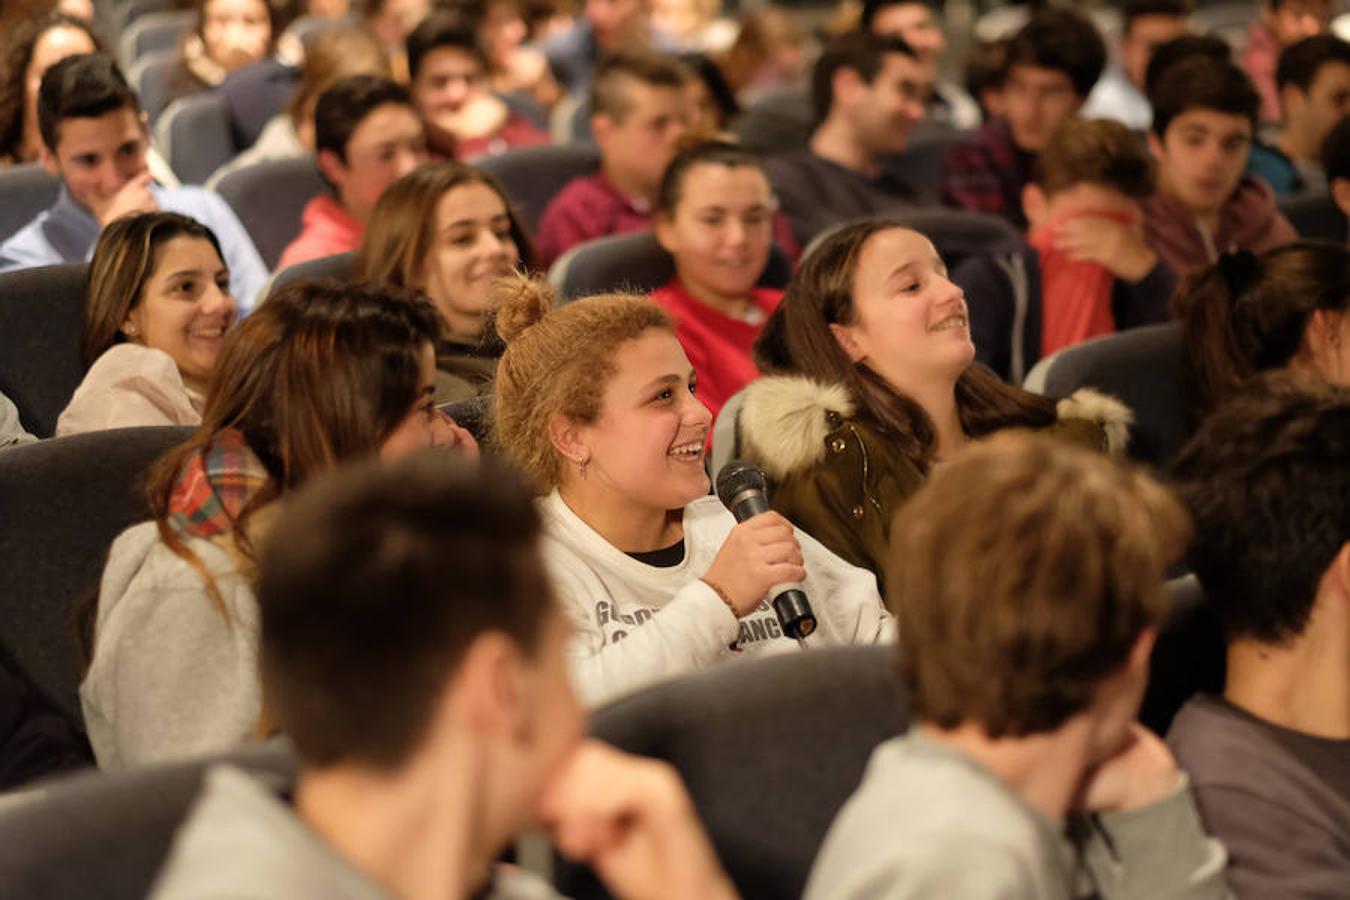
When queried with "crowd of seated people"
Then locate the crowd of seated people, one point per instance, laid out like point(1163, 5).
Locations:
point(426, 608)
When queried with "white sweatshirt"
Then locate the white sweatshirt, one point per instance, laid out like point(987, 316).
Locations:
point(636, 624)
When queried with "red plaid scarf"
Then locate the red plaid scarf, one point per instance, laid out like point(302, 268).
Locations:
point(214, 486)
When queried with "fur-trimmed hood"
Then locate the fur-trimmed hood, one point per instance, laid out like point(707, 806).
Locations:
point(785, 420)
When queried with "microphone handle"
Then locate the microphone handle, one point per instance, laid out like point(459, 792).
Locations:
point(794, 613)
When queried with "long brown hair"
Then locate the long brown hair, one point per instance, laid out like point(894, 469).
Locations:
point(402, 228)
point(797, 339)
point(124, 260)
point(320, 373)
point(1248, 314)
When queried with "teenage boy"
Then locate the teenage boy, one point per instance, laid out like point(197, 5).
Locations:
point(1336, 167)
point(464, 119)
point(366, 136)
point(1314, 84)
point(1053, 62)
point(1266, 481)
point(1085, 269)
point(1121, 92)
point(868, 91)
point(1027, 584)
point(95, 139)
point(638, 115)
point(1281, 23)
point(412, 652)
point(917, 23)
point(1204, 118)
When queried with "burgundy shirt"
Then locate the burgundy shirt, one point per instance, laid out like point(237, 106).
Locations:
point(591, 207)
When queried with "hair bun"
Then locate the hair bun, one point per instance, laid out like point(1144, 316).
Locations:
point(521, 301)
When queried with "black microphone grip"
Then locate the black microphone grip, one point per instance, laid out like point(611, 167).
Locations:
point(790, 605)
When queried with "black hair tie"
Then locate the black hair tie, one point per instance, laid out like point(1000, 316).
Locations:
point(1239, 270)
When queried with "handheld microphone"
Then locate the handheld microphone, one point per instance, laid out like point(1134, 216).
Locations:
point(743, 489)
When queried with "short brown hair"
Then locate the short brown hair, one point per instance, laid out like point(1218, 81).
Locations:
point(1021, 575)
point(379, 580)
point(557, 361)
point(610, 95)
point(1095, 151)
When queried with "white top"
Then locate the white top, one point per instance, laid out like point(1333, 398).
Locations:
point(130, 385)
point(636, 624)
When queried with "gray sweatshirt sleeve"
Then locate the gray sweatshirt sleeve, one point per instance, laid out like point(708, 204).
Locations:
point(1159, 852)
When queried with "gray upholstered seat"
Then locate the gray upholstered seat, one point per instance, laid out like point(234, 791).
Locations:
point(269, 198)
point(635, 262)
point(41, 321)
point(533, 176)
point(769, 749)
point(25, 191)
point(103, 836)
point(64, 502)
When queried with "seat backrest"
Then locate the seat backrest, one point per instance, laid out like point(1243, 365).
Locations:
point(338, 266)
point(920, 166)
point(41, 322)
point(1189, 657)
point(154, 32)
point(64, 501)
point(533, 176)
point(269, 198)
point(957, 233)
point(194, 136)
point(151, 77)
point(122, 14)
point(778, 121)
point(1315, 215)
point(1147, 369)
point(25, 191)
point(769, 750)
point(105, 836)
point(634, 262)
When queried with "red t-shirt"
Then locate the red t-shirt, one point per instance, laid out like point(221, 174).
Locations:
point(718, 346)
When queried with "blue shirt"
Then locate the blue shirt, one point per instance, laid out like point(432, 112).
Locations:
point(67, 232)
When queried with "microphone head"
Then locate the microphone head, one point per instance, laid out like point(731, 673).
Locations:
point(737, 477)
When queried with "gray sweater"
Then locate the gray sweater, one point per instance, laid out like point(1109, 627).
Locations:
point(928, 821)
point(173, 676)
point(242, 841)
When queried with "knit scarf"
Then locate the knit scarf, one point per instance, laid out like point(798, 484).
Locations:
point(214, 487)
point(1075, 294)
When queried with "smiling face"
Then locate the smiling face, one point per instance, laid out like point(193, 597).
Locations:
point(909, 321)
point(884, 112)
point(472, 247)
point(185, 307)
point(96, 157)
point(721, 229)
point(1201, 158)
point(424, 425)
point(646, 446)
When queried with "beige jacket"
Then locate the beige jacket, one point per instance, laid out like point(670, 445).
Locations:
point(130, 385)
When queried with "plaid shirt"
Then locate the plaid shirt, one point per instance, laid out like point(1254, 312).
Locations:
point(987, 173)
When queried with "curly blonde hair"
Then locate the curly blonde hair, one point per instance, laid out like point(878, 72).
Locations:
point(557, 362)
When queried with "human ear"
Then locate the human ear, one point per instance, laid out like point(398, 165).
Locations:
point(1155, 145)
point(1034, 204)
point(847, 84)
point(566, 437)
point(490, 687)
point(133, 326)
point(602, 126)
point(664, 228)
point(332, 167)
point(49, 161)
point(848, 342)
point(1340, 192)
